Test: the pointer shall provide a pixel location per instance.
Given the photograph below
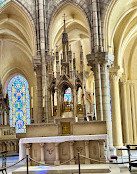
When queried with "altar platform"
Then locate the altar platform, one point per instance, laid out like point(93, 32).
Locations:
point(65, 169)
point(59, 149)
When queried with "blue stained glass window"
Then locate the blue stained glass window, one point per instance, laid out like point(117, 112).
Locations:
point(3, 2)
point(67, 95)
point(19, 103)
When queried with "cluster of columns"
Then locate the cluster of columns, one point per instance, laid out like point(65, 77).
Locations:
point(100, 63)
point(4, 117)
point(124, 108)
point(10, 146)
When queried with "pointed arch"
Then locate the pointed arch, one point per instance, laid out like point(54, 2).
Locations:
point(121, 34)
point(19, 103)
point(59, 7)
point(21, 19)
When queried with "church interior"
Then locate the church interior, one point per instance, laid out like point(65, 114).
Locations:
point(68, 78)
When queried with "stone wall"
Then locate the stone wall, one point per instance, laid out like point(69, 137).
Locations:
point(83, 128)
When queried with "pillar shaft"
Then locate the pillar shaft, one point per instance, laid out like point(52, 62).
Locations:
point(98, 92)
point(106, 100)
point(72, 152)
point(116, 115)
point(57, 162)
point(124, 112)
point(42, 153)
point(133, 113)
point(129, 114)
point(87, 161)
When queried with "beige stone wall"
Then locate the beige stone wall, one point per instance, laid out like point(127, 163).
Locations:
point(42, 130)
point(88, 128)
point(84, 128)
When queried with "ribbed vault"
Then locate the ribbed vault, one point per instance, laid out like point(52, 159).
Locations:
point(121, 35)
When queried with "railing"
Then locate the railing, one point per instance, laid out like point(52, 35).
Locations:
point(77, 157)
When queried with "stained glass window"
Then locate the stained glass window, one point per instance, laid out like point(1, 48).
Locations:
point(19, 103)
point(3, 2)
point(67, 95)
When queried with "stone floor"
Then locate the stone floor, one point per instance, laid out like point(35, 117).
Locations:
point(115, 169)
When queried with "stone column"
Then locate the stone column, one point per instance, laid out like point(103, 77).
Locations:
point(133, 113)
point(115, 105)
point(37, 69)
point(129, 113)
point(75, 102)
point(87, 161)
point(72, 152)
point(15, 146)
point(105, 59)
point(58, 104)
point(42, 152)
point(57, 161)
point(106, 99)
point(124, 110)
point(99, 108)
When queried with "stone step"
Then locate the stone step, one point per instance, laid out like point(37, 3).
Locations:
point(66, 169)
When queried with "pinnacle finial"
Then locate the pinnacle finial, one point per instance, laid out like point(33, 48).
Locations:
point(64, 16)
point(56, 48)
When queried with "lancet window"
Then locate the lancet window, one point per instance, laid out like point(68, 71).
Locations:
point(19, 103)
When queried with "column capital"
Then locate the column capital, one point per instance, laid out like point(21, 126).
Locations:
point(28, 145)
point(86, 142)
point(36, 62)
point(71, 143)
point(56, 144)
point(42, 144)
point(123, 79)
point(101, 58)
point(115, 73)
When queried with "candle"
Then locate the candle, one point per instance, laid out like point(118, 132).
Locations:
point(76, 119)
point(31, 102)
point(44, 91)
point(43, 102)
point(32, 92)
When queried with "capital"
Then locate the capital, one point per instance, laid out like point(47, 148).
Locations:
point(36, 62)
point(115, 73)
point(42, 144)
point(123, 79)
point(104, 58)
point(71, 143)
point(28, 145)
point(86, 143)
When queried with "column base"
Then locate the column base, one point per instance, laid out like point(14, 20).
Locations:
point(87, 161)
point(121, 152)
point(42, 162)
point(57, 162)
point(112, 151)
point(72, 162)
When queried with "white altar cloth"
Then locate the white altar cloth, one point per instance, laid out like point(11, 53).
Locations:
point(56, 139)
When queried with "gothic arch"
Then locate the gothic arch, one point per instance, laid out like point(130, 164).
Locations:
point(16, 41)
point(60, 5)
point(120, 34)
point(24, 12)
